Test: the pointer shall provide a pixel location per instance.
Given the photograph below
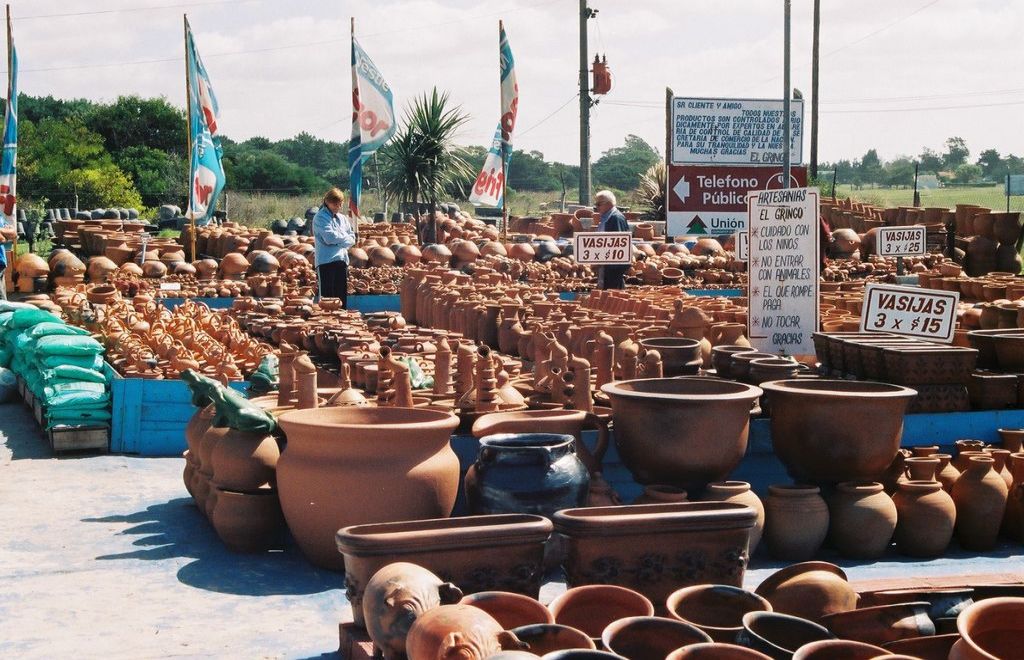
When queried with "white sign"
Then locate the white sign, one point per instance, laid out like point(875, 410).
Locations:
point(170, 286)
point(734, 131)
point(901, 241)
point(742, 243)
point(784, 240)
point(598, 248)
point(924, 313)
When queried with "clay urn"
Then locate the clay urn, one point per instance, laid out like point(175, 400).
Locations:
point(650, 637)
point(395, 596)
point(980, 495)
point(465, 251)
point(549, 637)
point(358, 257)
point(437, 254)
point(717, 609)
point(154, 269)
point(716, 651)
point(457, 631)
point(839, 649)
point(206, 269)
point(796, 521)
point(509, 609)
point(925, 516)
point(862, 519)
point(247, 522)
point(739, 492)
point(408, 254)
point(809, 590)
point(183, 268)
point(827, 431)
point(263, 263)
point(882, 623)
point(990, 629)
point(381, 256)
point(779, 635)
point(591, 608)
point(844, 242)
point(685, 431)
point(233, 266)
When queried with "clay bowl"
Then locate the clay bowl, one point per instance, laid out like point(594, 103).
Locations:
point(590, 608)
point(545, 638)
point(809, 590)
point(581, 654)
point(685, 432)
point(989, 629)
point(509, 609)
point(882, 623)
point(838, 649)
point(721, 358)
point(936, 647)
point(779, 635)
point(944, 603)
point(1009, 351)
point(716, 651)
point(739, 363)
point(716, 609)
point(679, 356)
point(828, 431)
point(650, 637)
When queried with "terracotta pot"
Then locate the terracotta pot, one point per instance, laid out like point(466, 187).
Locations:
point(990, 629)
point(657, 548)
point(980, 496)
point(739, 492)
point(1012, 439)
point(570, 422)
point(716, 609)
point(826, 431)
point(509, 609)
point(716, 651)
point(681, 431)
point(809, 590)
point(248, 522)
point(679, 356)
point(796, 521)
point(947, 474)
point(721, 358)
point(581, 654)
point(327, 446)
point(1013, 517)
point(478, 553)
point(661, 494)
point(650, 637)
point(925, 518)
point(549, 637)
point(862, 519)
point(457, 631)
point(244, 461)
point(838, 649)
point(395, 597)
point(591, 608)
point(882, 623)
point(936, 647)
point(779, 635)
point(944, 604)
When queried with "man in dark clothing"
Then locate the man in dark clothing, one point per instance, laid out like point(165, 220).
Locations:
point(611, 219)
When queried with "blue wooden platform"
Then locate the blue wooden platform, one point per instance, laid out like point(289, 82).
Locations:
point(364, 303)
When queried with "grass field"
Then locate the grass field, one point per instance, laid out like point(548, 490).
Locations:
point(988, 196)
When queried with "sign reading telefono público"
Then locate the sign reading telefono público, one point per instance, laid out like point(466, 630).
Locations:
point(734, 131)
point(923, 313)
point(782, 268)
point(603, 248)
point(901, 241)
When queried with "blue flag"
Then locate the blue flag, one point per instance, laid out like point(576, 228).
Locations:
point(373, 119)
point(206, 174)
point(9, 161)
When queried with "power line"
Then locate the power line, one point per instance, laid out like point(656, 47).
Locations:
point(926, 97)
point(882, 29)
point(571, 99)
point(923, 109)
point(135, 9)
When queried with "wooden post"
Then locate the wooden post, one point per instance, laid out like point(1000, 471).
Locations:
point(188, 134)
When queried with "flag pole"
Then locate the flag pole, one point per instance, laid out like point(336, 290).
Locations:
point(188, 138)
point(10, 80)
point(354, 222)
point(504, 175)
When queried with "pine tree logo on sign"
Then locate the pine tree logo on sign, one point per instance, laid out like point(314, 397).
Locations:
point(696, 226)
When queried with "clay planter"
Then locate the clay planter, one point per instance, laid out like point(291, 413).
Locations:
point(826, 431)
point(990, 629)
point(936, 647)
point(838, 649)
point(248, 522)
point(661, 494)
point(882, 623)
point(925, 518)
point(657, 548)
point(779, 635)
point(549, 637)
point(477, 553)
point(591, 608)
point(650, 637)
point(679, 356)
point(721, 358)
point(681, 431)
point(716, 609)
point(796, 521)
point(364, 449)
point(526, 473)
point(862, 519)
point(809, 590)
point(509, 609)
point(457, 631)
point(716, 651)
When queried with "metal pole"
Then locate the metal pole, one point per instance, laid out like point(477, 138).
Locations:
point(917, 195)
point(1007, 192)
point(835, 172)
point(814, 88)
point(504, 173)
point(669, 141)
point(584, 108)
point(786, 127)
point(10, 79)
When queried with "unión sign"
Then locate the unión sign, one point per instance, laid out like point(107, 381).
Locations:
point(598, 248)
point(783, 270)
point(901, 241)
point(734, 131)
point(924, 313)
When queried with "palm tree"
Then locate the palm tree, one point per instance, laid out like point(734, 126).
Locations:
point(651, 191)
point(423, 162)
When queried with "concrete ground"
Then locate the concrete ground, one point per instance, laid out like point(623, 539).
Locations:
point(105, 556)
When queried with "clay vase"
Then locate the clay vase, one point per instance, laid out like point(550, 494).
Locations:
point(925, 518)
point(549, 637)
point(591, 608)
point(862, 519)
point(809, 590)
point(739, 492)
point(245, 461)
point(363, 448)
point(980, 496)
point(248, 522)
point(661, 494)
point(991, 628)
point(796, 521)
point(457, 631)
point(716, 609)
point(922, 468)
point(509, 609)
point(536, 473)
point(395, 596)
point(779, 635)
point(947, 474)
point(1013, 518)
point(1012, 439)
point(650, 637)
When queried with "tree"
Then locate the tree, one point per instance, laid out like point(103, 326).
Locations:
point(49, 150)
point(159, 176)
point(266, 171)
point(967, 173)
point(132, 121)
point(956, 153)
point(37, 108)
point(898, 173)
point(323, 157)
point(529, 171)
point(870, 168)
point(651, 192)
point(101, 186)
point(992, 166)
point(621, 167)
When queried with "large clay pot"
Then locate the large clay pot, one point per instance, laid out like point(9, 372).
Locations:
point(739, 492)
point(535, 473)
point(882, 623)
point(716, 651)
point(248, 522)
point(570, 422)
point(990, 629)
point(980, 496)
point(511, 610)
point(365, 449)
point(809, 590)
point(457, 631)
point(685, 431)
point(838, 649)
point(679, 356)
point(925, 518)
point(1013, 517)
point(650, 637)
point(779, 635)
point(715, 608)
point(591, 608)
point(548, 637)
point(827, 431)
point(796, 521)
point(245, 461)
point(862, 519)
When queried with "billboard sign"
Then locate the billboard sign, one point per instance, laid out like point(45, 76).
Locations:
point(734, 131)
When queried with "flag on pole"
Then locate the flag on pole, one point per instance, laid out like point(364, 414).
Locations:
point(373, 119)
point(9, 162)
point(488, 190)
point(206, 174)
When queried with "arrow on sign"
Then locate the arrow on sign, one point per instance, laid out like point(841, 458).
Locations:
point(682, 189)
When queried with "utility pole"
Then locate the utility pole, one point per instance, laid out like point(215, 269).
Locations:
point(814, 89)
point(585, 14)
point(787, 128)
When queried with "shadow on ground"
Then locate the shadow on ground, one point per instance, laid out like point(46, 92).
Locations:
point(176, 529)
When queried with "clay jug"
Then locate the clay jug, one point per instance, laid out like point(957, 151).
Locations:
point(947, 474)
point(1013, 518)
point(739, 492)
point(796, 521)
point(921, 468)
point(980, 495)
point(248, 522)
point(925, 518)
point(862, 519)
point(1001, 465)
point(732, 334)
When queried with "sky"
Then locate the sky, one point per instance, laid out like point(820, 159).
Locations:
point(895, 75)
